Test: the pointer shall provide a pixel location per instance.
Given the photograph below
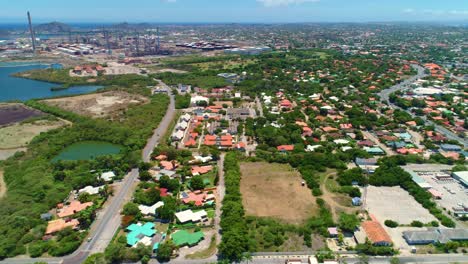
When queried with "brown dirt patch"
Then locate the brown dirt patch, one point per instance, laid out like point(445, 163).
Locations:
point(3, 187)
point(275, 190)
point(107, 104)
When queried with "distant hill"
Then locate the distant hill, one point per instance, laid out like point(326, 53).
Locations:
point(128, 26)
point(4, 33)
point(52, 27)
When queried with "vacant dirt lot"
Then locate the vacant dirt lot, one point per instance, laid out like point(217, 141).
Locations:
point(98, 104)
point(275, 190)
point(19, 135)
point(12, 113)
point(394, 203)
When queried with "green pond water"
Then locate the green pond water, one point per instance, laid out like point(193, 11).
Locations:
point(88, 150)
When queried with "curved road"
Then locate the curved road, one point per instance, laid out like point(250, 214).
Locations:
point(385, 94)
point(108, 219)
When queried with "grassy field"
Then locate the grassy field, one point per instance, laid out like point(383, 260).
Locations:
point(20, 134)
point(295, 243)
point(206, 253)
point(338, 202)
point(107, 104)
point(275, 190)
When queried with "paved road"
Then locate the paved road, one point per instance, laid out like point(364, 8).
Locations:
point(221, 193)
point(163, 126)
point(259, 106)
point(268, 259)
point(429, 259)
point(384, 96)
point(108, 220)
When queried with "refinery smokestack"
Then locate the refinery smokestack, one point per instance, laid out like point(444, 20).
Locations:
point(33, 38)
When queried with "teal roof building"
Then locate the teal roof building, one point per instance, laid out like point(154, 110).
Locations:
point(139, 231)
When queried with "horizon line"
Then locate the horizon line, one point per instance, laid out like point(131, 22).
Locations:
point(238, 22)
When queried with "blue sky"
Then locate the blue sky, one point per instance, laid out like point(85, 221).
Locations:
point(234, 10)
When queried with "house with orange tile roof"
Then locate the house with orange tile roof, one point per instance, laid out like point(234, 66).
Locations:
point(210, 138)
point(301, 123)
point(199, 170)
point(306, 131)
point(329, 129)
point(405, 151)
point(284, 148)
point(168, 165)
point(376, 233)
point(239, 146)
point(55, 226)
point(411, 123)
point(161, 157)
point(73, 208)
point(197, 197)
point(346, 126)
point(286, 103)
point(191, 142)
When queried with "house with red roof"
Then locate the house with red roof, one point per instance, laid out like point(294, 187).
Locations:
point(190, 142)
point(197, 197)
point(284, 148)
point(199, 170)
point(73, 208)
point(286, 104)
point(168, 165)
point(307, 131)
point(376, 233)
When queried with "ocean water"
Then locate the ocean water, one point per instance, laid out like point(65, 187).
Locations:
point(19, 89)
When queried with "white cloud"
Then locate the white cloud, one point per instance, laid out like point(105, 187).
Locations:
point(272, 3)
point(433, 12)
point(408, 10)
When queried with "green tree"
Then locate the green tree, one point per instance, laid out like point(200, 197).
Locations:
point(115, 253)
point(130, 209)
point(98, 258)
point(197, 183)
point(348, 222)
point(145, 176)
point(165, 251)
point(391, 223)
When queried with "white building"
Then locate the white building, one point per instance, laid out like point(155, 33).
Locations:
point(198, 98)
point(90, 190)
point(178, 135)
point(185, 117)
point(189, 216)
point(108, 176)
point(150, 210)
point(311, 148)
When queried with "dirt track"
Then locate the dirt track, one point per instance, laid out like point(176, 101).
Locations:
point(3, 188)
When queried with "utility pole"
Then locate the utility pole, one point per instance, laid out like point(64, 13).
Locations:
point(33, 38)
point(158, 41)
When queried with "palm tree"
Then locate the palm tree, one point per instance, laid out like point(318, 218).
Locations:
point(247, 257)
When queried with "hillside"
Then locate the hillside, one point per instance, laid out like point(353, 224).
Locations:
point(53, 27)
